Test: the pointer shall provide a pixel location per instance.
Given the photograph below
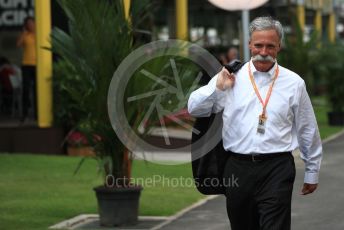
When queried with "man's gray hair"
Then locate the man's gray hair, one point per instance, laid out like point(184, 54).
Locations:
point(267, 23)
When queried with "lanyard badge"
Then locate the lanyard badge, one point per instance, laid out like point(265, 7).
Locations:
point(262, 117)
point(261, 124)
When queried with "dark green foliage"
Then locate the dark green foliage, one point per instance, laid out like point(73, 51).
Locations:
point(300, 56)
point(331, 67)
point(100, 38)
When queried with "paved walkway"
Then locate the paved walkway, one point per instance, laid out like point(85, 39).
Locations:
point(322, 210)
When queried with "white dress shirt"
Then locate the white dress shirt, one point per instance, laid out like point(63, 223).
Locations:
point(290, 120)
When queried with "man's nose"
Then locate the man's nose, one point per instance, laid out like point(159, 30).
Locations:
point(263, 51)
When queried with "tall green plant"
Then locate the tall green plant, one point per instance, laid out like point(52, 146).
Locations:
point(99, 38)
point(67, 112)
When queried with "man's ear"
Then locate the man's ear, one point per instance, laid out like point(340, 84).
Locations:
point(279, 47)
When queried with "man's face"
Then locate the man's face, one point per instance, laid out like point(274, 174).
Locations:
point(264, 43)
point(30, 25)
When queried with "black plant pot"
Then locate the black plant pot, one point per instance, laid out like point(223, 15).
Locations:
point(118, 206)
point(336, 118)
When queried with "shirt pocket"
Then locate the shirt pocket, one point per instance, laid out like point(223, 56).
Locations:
point(279, 112)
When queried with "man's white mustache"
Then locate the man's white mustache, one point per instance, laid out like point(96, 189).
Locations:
point(259, 57)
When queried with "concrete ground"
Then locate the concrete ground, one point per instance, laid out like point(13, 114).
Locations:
point(322, 210)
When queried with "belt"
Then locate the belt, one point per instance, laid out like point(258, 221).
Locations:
point(258, 157)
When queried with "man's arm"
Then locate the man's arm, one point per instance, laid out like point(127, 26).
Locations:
point(309, 139)
point(211, 97)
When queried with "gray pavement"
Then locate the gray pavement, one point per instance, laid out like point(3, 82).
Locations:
point(210, 216)
point(325, 208)
point(322, 210)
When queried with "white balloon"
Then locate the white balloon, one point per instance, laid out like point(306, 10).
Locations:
point(237, 4)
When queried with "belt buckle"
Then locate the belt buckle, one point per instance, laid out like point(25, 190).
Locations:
point(253, 157)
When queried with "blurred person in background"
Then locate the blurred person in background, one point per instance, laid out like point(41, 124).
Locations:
point(232, 55)
point(10, 88)
point(27, 41)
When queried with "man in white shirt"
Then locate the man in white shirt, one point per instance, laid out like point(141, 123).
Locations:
point(267, 114)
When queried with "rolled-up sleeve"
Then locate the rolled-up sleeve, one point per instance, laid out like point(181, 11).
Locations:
point(206, 100)
point(308, 135)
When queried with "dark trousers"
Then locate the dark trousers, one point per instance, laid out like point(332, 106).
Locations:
point(29, 90)
point(261, 198)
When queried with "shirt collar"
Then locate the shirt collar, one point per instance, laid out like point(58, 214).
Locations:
point(270, 72)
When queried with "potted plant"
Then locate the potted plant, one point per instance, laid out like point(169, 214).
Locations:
point(100, 37)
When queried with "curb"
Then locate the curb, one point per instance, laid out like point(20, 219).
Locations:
point(79, 220)
point(82, 219)
point(332, 137)
point(185, 210)
point(296, 153)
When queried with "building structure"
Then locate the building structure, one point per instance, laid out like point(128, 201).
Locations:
point(194, 20)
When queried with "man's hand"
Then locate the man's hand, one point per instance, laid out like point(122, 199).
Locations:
point(308, 188)
point(225, 80)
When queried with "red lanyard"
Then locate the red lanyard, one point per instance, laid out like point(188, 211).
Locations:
point(257, 91)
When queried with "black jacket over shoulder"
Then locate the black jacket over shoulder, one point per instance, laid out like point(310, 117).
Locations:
point(208, 168)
